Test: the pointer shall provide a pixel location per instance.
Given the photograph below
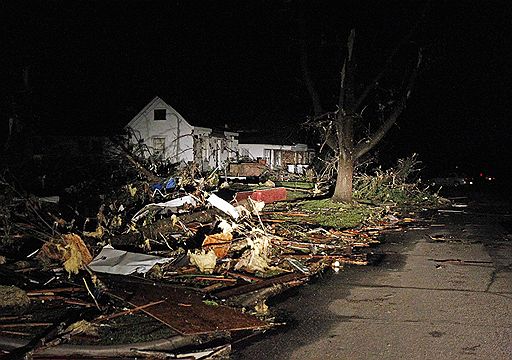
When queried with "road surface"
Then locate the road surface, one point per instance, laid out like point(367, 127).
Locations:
point(443, 292)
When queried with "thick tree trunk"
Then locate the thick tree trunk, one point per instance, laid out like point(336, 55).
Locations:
point(343, 189)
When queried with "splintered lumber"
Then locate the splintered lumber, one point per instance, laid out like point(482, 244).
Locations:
point(183, 310)
point(243, 289)
point(17, 333)
point(462, 262)
point(49, 292)
point(243, 276)
point(356, 259)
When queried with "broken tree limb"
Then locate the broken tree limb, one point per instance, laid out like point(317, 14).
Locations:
point(119, 350)
point(137, 165)
point(164, 226)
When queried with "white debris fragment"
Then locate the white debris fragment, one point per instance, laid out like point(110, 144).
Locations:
point(223, 205)
point(173, 205)
point(120, 262)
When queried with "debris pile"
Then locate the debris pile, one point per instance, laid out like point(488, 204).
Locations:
point(178, 249)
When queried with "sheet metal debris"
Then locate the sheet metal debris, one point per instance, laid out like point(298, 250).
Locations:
point(112, 261)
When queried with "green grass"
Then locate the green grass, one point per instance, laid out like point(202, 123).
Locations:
point(294, 195)
point(327, 213)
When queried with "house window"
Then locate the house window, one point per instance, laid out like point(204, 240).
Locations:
point(300, 159)
point(158, 146)
point(159, 114)
point(266, 155)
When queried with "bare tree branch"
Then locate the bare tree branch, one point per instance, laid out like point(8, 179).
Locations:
point(390, 58)
point(364, 147)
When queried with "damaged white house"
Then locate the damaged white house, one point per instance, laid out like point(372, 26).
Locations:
point(166, 134)
point(294, 158)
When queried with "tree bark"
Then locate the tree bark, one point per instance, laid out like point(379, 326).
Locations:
point(339, 135)
point(343, 189)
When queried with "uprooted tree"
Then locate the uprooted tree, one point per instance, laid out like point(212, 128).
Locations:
point(343, 130)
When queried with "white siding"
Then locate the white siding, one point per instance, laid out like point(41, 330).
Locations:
point(176, 131)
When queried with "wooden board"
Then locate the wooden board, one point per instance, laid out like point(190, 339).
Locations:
point(183, 310)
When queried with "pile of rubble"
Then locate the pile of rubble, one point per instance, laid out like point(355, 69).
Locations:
point(180, 250)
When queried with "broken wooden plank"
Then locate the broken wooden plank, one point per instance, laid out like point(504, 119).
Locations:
point(183, 310)
point(9, 326)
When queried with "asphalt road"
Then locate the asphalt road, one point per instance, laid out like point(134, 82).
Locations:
point(442, 292)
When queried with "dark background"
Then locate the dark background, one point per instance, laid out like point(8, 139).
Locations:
point(90, 66)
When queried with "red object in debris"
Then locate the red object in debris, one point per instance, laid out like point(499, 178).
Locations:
point(267, 195)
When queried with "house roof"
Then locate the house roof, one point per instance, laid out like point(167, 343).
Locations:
point(193, 119)
point(147, 107)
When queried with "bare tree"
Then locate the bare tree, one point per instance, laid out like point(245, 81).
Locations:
point(340, 129)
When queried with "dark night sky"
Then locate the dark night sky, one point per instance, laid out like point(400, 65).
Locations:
point(93, 64)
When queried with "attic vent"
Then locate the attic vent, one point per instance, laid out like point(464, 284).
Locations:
point(159, 114)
